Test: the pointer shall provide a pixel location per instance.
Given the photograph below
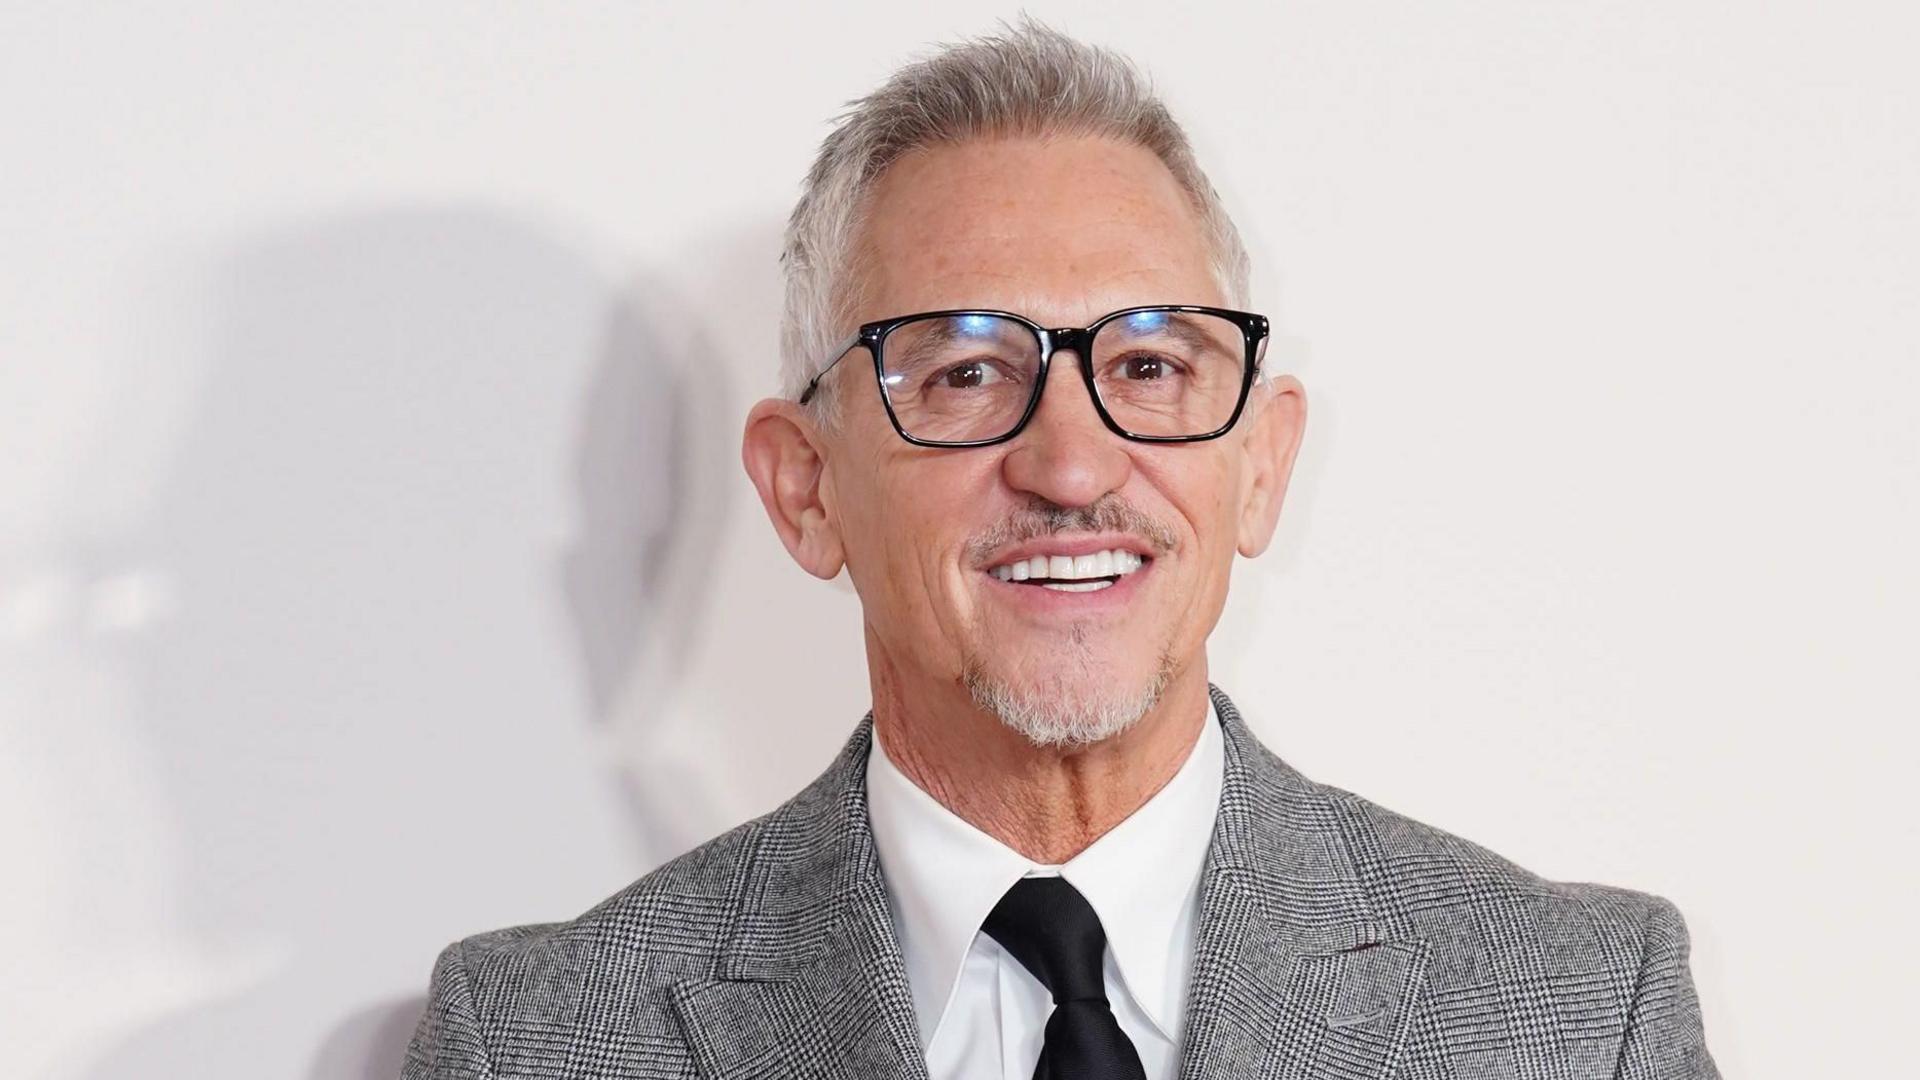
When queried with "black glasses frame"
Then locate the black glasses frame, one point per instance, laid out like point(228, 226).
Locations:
point(1077, 339)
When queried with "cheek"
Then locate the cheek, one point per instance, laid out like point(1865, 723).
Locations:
point(1205, 492)
point(861, 512)
point(918, 526)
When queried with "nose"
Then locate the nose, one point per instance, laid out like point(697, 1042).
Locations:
point(1066, 455)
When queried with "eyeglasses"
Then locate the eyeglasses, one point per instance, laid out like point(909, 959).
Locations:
point(1162, 373)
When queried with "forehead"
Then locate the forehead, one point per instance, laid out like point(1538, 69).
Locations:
point(1060, 229)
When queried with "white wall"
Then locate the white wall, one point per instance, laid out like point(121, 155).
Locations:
point(376, 568)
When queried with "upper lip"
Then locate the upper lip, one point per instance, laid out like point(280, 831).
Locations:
point(1069, 544)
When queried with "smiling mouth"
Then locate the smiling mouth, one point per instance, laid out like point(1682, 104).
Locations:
point(1072, 573)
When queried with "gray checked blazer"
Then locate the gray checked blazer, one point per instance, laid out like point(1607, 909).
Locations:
point(1337, 940)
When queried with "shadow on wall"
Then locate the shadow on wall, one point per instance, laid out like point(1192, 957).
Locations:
point(366, 707)
point(640, 567)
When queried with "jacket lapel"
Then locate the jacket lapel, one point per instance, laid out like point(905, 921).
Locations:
point(810, 982)
point(1296, 974)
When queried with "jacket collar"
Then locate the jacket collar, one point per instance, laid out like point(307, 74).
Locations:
point(1294, 965)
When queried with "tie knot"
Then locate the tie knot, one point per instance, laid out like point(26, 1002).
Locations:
point(1051, 929)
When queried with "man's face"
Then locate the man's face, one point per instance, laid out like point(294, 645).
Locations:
point(1062, 231)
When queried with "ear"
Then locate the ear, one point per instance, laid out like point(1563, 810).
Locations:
point(784, 457)
point(1279, 419)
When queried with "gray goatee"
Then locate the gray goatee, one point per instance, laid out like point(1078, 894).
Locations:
point(1051, 715)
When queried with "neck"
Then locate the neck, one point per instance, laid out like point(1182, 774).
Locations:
point(1047, 803)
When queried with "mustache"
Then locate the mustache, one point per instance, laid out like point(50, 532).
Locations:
point(1041, 518)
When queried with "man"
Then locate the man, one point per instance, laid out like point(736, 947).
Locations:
point(1026, 413)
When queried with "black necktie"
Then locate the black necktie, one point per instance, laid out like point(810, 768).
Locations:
point(1051, 929)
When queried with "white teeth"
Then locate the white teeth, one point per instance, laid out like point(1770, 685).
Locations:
point(1077, 586)
point(1074, 570)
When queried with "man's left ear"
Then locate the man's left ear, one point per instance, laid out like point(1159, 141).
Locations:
point(1278, 417)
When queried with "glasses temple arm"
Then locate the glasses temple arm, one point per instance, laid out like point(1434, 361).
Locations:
point(838, 355)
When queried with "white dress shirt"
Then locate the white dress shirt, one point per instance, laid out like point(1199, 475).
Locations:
point(982, 1014)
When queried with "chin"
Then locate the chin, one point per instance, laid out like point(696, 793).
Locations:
point(1063, 709)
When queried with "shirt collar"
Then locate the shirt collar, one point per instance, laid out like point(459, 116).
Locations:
point(1142, 878)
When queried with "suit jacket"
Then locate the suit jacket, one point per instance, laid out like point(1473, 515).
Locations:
point(1336, 939)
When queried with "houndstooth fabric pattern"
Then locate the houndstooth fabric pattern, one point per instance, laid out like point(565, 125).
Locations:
point(1337, 941)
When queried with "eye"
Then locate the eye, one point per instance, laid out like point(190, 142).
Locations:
point(1148, 367)
point(968, 376)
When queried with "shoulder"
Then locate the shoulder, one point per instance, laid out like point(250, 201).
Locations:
point(606, 970)
point(1480, 908)
point(1593, 973)
point(606, 976)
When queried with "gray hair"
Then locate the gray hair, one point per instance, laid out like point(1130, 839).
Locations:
point(1029, 79)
